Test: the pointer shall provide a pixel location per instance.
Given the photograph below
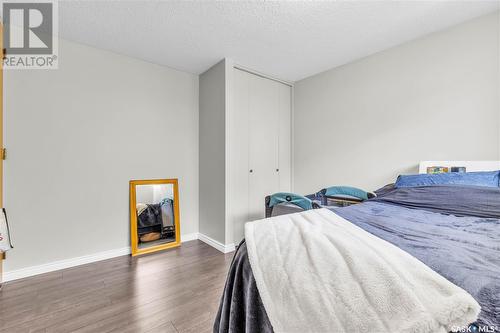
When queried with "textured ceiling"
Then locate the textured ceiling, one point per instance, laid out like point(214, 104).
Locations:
point(288, 40)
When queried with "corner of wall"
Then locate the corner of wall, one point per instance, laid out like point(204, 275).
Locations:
point(292, 140)
point(228, 67)
point(212, 160)
point(498, 79)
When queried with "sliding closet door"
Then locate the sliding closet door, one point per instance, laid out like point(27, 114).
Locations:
point(259, 145)
point(284, 134)
point(263, 142)
point(237, 144)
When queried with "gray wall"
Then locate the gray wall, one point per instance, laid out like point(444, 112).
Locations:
point(435, 98)
point(212, 108)
point(77, 135)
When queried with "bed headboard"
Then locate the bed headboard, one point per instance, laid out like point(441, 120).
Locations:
point(470, 166)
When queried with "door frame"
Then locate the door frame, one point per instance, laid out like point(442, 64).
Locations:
point(2, 157)
point(2, 152)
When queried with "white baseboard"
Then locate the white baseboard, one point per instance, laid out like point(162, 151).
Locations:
point(218, 245)
point(72, 262)
point(62, 264)
point(189, 237)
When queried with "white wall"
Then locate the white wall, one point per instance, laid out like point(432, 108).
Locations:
point(77, 135)
point(435, 98)
point(153, 194)
point(144, 194)
point(212, 108)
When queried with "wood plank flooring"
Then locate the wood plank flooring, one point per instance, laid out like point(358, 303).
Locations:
point(173, 291)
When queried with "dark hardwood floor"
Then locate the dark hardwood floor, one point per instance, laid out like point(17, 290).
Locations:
point(173, 291)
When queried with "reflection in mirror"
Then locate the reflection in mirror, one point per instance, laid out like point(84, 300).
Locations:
point(154, 215)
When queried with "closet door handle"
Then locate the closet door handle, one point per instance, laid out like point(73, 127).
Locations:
point(277, 170)
point(251, 170)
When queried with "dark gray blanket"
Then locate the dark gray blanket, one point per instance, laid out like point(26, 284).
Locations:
point(150, 216)
point(465, 250)
point(457, 200)
point(241, 308)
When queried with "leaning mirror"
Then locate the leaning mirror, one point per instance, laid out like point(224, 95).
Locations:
point(154, 215)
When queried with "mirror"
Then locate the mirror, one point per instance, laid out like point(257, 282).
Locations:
point(154, 215)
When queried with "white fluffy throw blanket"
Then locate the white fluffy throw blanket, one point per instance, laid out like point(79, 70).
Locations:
point(317, 272)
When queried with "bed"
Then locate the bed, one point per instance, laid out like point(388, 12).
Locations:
point(453, 229)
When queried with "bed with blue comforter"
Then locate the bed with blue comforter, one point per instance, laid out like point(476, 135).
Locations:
point(453, 229)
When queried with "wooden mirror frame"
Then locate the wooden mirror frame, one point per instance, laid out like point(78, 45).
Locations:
point(133, 217)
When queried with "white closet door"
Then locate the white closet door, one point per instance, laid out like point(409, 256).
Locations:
point(238, 154)
point(263, 143)
point(284, 131)
point(259, 141)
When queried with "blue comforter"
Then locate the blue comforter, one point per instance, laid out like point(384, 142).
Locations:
point(465, 250)
point(422, 221)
